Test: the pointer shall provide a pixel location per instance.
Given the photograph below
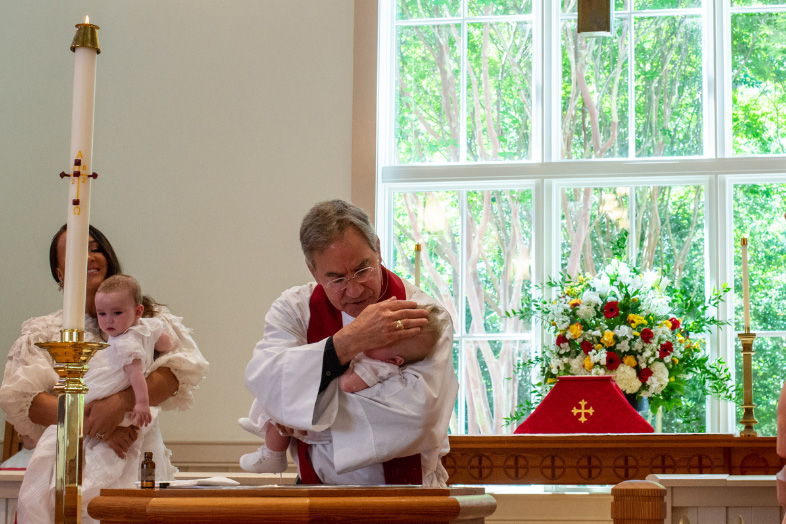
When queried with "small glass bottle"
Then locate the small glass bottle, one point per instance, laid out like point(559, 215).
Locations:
point(147, 472)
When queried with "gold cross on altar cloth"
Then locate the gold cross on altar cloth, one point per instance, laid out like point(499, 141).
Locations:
point(583, 410)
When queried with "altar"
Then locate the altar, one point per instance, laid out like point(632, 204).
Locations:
point(293, 504)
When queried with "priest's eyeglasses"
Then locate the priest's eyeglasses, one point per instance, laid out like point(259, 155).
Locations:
point(341, 283)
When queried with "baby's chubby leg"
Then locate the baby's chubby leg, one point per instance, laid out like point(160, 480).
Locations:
point(270, 457)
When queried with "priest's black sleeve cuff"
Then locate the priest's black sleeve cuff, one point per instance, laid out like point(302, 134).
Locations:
point(332, 368)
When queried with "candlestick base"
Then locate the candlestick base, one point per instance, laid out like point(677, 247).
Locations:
point(71, 356)
point(748, 419)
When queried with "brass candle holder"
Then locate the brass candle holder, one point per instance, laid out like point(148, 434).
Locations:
point(748, 420)
point(71, 356)
point(86, 36)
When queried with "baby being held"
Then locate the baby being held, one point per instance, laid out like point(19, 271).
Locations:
point(119, 308)
point(375, 365)
point(366, 370)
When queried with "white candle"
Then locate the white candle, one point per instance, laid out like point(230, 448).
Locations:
point(745, 295)
point(417, 265)
point(77, 240)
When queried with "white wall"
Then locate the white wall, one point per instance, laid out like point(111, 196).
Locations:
point(217, 125)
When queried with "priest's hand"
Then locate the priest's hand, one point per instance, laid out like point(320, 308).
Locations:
point(121, 439)
point(379, 325)
point(286, 431)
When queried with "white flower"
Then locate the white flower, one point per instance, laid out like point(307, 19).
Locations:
point(650, 278)
point(623, 331)
point(577, 366)
point(659, 379)
point(586, 311)
point(627, 379)
point(591, 298)
point(598, 356)
point(602, 284)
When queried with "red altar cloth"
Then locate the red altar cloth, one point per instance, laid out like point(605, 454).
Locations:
point(585, 404)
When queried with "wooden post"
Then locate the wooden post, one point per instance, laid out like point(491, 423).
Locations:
point(638, 502)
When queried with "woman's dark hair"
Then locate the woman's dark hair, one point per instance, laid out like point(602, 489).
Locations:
point(112, 262)
point(104, 247)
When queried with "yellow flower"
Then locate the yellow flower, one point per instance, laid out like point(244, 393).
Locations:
point(666, 324)
point(680, 339)
point(676, 361)
point(598, 346)
point(608, 339)
point(553, 323)
point(551, 380)
point(630, 360)
point(671, 379)
point(634, 299)
point(588, 363)
point(575, 330)
point(635, 320)
point(636, 334)
point(576, 302)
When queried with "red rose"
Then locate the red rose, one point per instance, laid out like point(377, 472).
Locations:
point(665, 350)
point(612, 361)
point(561, 339)
point(675, 324)
point(647, 335)
point(586, 346)
point(611, 309)
point(644, 375)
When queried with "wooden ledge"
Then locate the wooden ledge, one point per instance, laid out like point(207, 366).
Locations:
point(293, 504)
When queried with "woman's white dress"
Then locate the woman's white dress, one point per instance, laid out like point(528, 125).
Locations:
point(29, 371)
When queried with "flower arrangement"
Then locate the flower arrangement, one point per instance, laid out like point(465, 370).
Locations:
point(621, 323)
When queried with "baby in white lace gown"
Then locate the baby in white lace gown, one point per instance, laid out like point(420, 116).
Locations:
point(132, 339)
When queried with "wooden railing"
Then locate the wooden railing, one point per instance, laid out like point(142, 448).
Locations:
point(604, 459)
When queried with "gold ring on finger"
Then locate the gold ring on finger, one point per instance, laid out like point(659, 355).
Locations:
point(399, 325)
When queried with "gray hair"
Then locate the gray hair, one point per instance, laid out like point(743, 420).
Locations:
point(328, 220)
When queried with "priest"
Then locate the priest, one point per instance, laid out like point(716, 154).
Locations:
point(312, 332)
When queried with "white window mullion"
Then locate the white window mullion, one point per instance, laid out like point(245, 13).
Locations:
point(461, 301)
point(716, 418)
point(463, 95)
point(631, 87)
point(386, 71)
point(725, 260)
point(632, 211)
point(709, 79)
point(722, 80)
point(547, 73)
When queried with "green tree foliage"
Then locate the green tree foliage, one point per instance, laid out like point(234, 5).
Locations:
point(759, 82)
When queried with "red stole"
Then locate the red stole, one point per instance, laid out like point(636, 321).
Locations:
point(325, 321)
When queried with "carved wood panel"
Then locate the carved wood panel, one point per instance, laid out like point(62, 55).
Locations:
point(604, 459)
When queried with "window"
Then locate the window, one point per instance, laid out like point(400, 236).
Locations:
point(512, 149)
point(640, 93)
point(760, 213)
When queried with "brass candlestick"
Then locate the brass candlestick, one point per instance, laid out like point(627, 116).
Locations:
point(748, 419)
point(71, 356)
